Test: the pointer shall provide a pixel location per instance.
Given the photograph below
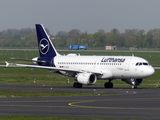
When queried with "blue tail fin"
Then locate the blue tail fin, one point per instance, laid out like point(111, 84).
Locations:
point(46, 48)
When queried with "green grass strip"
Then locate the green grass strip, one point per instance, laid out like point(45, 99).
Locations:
point(30, 93)
point(49, 118)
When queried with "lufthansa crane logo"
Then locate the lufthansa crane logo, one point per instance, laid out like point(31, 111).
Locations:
point(44, 46)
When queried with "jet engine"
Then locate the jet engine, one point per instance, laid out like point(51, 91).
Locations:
point(133, 82)
point(86, 78)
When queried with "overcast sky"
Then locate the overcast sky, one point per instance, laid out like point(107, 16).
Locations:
point(85, 15)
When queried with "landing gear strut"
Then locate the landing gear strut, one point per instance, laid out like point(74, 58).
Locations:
point(77, 85)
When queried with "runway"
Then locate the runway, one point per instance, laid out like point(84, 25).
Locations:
point(139, 103)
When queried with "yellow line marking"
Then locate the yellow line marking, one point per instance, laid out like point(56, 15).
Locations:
point(74, 104)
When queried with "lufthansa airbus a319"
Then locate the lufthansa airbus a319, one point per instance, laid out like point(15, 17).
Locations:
point(86, 70)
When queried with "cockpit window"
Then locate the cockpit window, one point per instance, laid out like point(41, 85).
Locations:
point(145, 64)
point(142, 63)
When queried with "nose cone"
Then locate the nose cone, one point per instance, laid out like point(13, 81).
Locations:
point(150, 71)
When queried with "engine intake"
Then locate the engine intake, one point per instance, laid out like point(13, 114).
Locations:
point(86, 78)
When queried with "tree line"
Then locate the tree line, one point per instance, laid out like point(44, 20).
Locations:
point(138, 38)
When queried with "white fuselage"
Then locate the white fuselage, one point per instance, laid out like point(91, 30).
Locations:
point(111, 67)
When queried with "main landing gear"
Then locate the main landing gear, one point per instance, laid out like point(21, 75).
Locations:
point(134, 86)
point(77, 85)
point(108, 84)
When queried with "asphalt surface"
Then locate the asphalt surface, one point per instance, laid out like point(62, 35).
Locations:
point(141, 103)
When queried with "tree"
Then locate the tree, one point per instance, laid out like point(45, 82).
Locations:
point(101, 31)
point(115, 31)
point(148, 39)
point(98, 40)
point(74, 33)
point(62, 34)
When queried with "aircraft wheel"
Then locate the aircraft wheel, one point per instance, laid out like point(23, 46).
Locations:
point(108, 85)
point(134, 86)
point(77, 85)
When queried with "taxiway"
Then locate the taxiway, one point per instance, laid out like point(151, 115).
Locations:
point(141, 103)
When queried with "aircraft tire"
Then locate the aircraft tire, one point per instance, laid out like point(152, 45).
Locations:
point(108, 85)
point(77, 85)
point(134, 87)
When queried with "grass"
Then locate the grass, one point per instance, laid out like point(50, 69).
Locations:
point(30, 93)
point(23, 76)
point(42, 118)
point(28, 77)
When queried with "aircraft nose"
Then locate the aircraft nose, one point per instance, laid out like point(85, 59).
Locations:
point(150, 71)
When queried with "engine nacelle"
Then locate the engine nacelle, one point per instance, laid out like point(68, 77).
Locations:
point(133, 81)
point(86, 78)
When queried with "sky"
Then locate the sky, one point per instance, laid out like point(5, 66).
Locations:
point(86, 15)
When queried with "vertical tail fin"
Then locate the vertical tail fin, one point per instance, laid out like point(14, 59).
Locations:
point(45, 46)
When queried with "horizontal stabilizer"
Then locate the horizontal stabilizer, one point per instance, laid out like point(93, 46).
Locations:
point(30, 60)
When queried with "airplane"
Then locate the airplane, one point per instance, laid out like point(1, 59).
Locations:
point(86, 70)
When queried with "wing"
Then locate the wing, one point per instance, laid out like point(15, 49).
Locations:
point(53, 68)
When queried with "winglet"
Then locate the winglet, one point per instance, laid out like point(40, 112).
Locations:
point(7, 64)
